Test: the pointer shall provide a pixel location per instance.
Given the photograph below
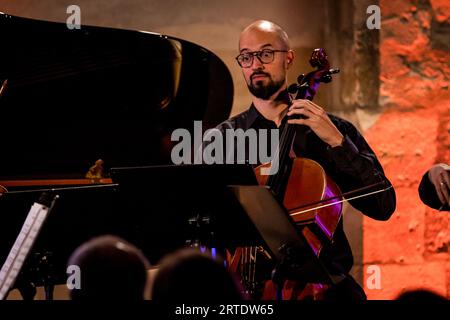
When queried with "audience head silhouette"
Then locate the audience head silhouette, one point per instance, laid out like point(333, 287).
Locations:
point(420, 295)
point(189, 275)
point(110, 269)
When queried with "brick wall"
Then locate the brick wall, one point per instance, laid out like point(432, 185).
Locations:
point(412, 248)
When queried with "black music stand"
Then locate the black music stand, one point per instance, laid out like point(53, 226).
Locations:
point(177, 205)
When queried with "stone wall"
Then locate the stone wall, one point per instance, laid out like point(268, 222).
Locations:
point(411, 135)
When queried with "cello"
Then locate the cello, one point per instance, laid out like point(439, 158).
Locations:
point(305, 190)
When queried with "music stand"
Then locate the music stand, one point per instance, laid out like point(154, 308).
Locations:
point(177, 204)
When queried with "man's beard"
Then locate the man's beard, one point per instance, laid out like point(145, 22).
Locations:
point(262, 91)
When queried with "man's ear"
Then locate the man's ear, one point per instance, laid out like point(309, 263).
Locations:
point(290, 58)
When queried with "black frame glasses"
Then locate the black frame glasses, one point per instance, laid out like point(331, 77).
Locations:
point(264, 56)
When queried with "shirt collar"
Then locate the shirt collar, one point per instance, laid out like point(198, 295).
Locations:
point(252, 115)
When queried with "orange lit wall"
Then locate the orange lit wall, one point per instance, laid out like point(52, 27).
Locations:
point(412, 248)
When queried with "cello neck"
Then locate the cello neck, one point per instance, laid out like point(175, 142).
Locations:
point(277, 181)
point(306, 88)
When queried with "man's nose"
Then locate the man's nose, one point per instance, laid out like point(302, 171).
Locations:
point(256, 63)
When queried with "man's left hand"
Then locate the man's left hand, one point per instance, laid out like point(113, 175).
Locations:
point(439, 176)
point(316, 119)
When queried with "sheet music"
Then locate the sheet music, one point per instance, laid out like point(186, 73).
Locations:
point(25, 240)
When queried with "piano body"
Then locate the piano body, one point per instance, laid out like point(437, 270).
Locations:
point(72, 97)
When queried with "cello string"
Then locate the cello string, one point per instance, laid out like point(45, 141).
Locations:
point(286, 141)
point(254, 270)
point(249, 266)
point(245, 265)
point(273, 179)
point(241, 271)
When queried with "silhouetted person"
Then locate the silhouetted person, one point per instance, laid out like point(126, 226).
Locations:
point(420, 295)
point(189, 275)
point(111, 269)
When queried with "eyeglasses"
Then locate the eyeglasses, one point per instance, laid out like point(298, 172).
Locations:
point(245, 60)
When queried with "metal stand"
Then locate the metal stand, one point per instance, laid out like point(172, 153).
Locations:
point(36, 264)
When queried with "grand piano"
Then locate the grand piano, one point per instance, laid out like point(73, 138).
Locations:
point(72, 97)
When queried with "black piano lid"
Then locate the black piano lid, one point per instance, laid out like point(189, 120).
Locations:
point(75, 96)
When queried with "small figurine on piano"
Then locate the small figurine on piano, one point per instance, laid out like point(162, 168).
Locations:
point(96, 171)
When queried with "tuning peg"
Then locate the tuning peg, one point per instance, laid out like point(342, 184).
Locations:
point(293, 88)
point(326, 78)
point(334, 70)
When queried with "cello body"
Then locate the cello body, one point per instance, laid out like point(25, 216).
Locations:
point(307, 183)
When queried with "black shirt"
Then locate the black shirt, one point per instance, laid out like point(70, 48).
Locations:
point(352, 165)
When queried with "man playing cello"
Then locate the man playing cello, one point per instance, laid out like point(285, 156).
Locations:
point(265, 57)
